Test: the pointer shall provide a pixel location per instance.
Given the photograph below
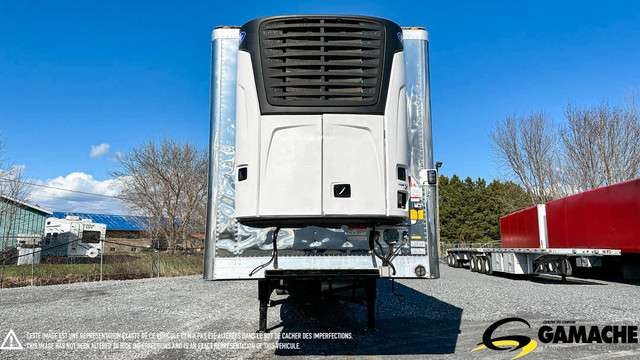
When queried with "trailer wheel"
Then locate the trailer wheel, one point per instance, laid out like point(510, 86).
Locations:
point(480, 265)
point(473, 265)
point(456, 262)
point(449, 260)
point(487, 266)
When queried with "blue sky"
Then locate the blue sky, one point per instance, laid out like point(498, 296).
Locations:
point(77, 74)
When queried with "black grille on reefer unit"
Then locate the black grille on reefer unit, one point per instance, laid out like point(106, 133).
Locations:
point(322, 63)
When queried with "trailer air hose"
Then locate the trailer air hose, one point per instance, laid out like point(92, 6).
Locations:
point(274, 254)
point(391, 253)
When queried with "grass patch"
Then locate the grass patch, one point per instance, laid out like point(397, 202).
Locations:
point(118, 266)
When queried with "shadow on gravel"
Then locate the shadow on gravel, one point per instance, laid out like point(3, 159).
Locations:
point(548, 279)
point(414, 323)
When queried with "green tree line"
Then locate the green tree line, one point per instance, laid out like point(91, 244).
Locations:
point(470, 210)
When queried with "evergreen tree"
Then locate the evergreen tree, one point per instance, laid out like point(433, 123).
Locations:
point(470, 210)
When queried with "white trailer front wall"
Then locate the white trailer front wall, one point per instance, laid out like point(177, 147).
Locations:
point(233, 250)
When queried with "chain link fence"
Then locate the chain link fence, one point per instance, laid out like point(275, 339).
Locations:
point(35, 264)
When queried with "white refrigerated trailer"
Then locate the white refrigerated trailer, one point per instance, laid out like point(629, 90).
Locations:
point(321, 171)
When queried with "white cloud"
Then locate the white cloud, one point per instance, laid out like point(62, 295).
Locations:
point(99, 150)
point(59, 200)
point(117, 156)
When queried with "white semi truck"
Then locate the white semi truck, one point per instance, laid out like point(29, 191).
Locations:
point(73, 237)
point(321, 171)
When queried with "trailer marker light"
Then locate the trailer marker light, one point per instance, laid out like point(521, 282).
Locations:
point(432, 177)
point(402, 174)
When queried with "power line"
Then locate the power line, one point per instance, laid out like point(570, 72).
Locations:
point(63, 189)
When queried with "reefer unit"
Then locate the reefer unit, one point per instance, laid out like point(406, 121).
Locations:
point(321, 115)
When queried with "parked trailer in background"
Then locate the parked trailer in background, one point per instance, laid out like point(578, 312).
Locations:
point(528, 249)
point(607, 217)
point(73, 237)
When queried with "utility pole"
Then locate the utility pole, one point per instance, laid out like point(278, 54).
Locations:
point(101, 252)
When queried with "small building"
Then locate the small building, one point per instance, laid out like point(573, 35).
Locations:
point(21, 223)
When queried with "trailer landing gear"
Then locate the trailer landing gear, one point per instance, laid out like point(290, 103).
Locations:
point(358, 286)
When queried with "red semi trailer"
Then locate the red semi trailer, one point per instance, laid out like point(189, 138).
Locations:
point(605, 217)
point(579, 230)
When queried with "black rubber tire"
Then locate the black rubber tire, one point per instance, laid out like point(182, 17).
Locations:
point(473, 264)
point(480, 265)
point(487, 266)
point(456, 263)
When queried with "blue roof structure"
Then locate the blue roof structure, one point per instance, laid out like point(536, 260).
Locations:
point(113, 222)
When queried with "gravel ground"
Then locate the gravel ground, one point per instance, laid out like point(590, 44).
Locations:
point(442, 318)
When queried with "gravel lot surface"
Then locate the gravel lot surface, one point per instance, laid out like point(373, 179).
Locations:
point(442, 318)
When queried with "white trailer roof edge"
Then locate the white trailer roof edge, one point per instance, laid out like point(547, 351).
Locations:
point(225, 33)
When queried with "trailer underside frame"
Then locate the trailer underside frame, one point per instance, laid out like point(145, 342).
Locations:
point(526, 261)
point(357, 286)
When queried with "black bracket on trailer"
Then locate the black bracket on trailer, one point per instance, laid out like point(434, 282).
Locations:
point(303, 280)
point(554, 264)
